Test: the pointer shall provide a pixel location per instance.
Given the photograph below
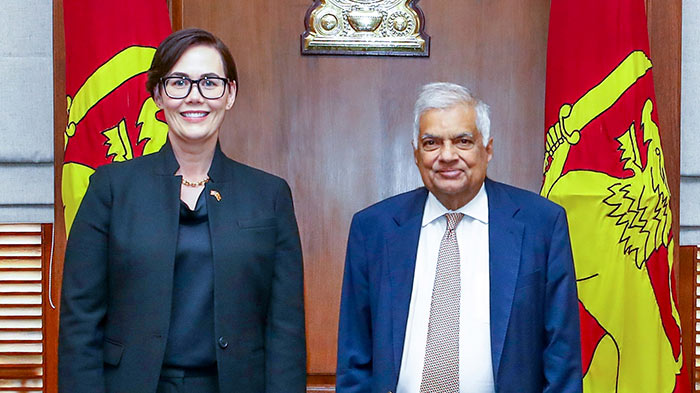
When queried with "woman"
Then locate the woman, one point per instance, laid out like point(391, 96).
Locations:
point(183, 269)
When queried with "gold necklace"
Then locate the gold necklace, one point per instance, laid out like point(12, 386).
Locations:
point(194, 184)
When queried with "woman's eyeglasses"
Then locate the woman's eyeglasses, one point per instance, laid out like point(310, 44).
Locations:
point(179, 87)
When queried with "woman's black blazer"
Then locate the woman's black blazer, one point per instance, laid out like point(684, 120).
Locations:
point(118, 279)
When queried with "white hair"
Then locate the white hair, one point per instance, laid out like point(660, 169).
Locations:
point(441, 95)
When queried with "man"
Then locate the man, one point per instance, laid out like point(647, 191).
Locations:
point(465, 285)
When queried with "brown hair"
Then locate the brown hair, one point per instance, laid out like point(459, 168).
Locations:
point(174, 45)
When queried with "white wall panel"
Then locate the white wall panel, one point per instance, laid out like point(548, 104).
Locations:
point(26, 111)
point(26, 184)
point(26, 28)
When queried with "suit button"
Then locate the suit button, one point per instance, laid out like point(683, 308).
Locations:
point(222, 342)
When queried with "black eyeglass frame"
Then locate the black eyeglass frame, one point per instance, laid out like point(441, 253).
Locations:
point(193, 82)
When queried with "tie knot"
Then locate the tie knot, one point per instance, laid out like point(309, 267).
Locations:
point(453, 219)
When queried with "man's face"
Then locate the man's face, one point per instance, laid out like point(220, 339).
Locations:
point(451, 155)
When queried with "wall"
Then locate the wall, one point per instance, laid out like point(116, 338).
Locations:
point(690, 121)
point(26, 111)
point(338, 128)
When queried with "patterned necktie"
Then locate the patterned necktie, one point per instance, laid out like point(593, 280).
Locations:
point(441, 367)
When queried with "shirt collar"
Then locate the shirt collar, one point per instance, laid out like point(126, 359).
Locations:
point(477, 208)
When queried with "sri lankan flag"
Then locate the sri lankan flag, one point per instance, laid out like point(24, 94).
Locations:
point(604, 163)
point(111, 117)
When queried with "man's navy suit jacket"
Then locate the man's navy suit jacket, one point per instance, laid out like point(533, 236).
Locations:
point(535, 343)
point(118, 279)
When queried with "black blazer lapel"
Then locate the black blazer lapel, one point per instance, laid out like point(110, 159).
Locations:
point(401, 249)
point(226, 205)
point(224, 214)
point(505, 244)
point(164, 221)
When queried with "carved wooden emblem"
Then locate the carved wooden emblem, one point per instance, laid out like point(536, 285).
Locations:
point(365, 27)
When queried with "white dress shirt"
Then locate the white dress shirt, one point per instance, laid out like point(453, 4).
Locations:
point(475, 368)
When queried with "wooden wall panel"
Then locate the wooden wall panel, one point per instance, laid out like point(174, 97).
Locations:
point(338, 128)
point(24, 342)
point(664, 19)
point(664, 24)
point(688, 304)
point(59, 239)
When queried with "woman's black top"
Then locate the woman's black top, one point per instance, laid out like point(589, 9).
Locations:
point(191, 342)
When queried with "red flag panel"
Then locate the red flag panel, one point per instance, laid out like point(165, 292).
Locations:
point(111, 117)
point(604, 163)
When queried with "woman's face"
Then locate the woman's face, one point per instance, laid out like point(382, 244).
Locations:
point(195, 119)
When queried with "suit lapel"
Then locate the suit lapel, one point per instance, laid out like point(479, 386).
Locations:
point(225, 203)
point(505, 243)
point(401, 248)
point(224, 214)
point(164, 221)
